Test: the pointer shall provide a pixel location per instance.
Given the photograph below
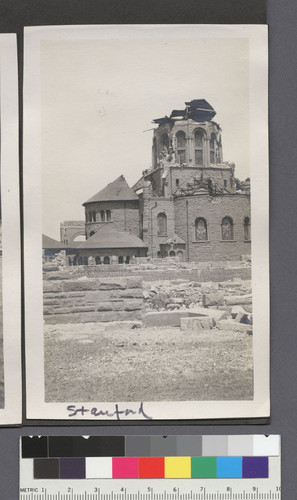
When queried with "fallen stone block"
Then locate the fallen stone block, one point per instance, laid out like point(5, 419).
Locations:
point(52, 286)
point(232, 326)
point(213, 299)
point(236, 310)
point(215, 314)
point(229, 284)
point(162, 318)
point(242, 317)
point(92, 317)
point(49, 268)
point(209, 287)
point(57, 275)
point(196, 324)
point(133, 305)
point(239, 299)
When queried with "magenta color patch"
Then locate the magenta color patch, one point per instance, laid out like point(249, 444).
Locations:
point(125, 468)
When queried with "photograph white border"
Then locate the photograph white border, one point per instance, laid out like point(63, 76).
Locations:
point(260, 405)
point(11, 256)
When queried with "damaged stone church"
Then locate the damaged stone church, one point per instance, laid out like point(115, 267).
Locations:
point(189, 205)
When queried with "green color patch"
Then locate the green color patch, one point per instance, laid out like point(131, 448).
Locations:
point(204, 467)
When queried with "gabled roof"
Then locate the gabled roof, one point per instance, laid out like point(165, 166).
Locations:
point(48, 242)
point(174, 239)
point(116, 190)
point(109, 237)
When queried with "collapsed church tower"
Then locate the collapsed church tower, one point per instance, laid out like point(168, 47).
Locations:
point(188, 205)
point(191, 205)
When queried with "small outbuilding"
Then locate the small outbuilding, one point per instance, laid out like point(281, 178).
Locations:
point(110, 246)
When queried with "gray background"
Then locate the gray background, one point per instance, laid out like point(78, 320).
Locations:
point(281, 17)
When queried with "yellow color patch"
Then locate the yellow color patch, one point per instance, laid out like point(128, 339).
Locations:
point(177, 467)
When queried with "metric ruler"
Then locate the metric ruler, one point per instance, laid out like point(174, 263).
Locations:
point(155, 490)
point(67, 468)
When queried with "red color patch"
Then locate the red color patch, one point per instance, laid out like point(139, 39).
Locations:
point(151, 467)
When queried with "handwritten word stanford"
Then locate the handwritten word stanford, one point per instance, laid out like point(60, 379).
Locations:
point(83, 411)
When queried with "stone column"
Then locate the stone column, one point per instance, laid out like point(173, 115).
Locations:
point(206, 153)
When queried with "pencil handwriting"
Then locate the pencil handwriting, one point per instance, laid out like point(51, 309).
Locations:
point(82, 411)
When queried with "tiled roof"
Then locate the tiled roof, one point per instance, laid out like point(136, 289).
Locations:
point(109, 237)
point(48, 242)
point(116, 190)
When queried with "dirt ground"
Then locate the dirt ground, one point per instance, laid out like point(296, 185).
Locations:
point(88, 362)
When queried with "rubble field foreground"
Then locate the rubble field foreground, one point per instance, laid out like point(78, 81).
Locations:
point(192, 341)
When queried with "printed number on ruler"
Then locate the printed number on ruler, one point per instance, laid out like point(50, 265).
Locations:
point(211, 492)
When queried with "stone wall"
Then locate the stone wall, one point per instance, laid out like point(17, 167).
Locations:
point(124, 216)
point(151, 209)
point(213, 210)
point(163, 269)
point(68, 300)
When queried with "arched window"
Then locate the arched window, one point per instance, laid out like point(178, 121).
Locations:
point(98, 261)
point(90, 216)
point(201, 229)
point(121, 259)
point(86, 261)
point(180, 255)
point(127, 261)
point(212, 148)
point(106, 260)
point(162, 224)
point(227, 229)
point(247, 229)
point(172, 253)
point(181, 146)
point(108, 215)
point(199, 141)
point(75, 260)
point(102, 215)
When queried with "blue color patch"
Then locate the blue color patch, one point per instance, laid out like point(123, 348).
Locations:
point(229, 467)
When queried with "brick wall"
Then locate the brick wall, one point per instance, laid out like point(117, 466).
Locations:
point(187, 210)
point(68, 300)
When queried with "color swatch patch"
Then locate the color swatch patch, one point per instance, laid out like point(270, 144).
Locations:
point(148, 457)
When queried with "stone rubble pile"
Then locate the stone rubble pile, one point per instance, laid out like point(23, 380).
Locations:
point(231, 299)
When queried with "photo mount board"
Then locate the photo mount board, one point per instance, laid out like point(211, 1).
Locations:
point(11, 413)
point(37, 408)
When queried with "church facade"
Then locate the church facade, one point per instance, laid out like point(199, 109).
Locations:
point(188, 205)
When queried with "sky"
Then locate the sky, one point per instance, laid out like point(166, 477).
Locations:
point(99, 98)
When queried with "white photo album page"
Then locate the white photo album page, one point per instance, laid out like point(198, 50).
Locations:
point(146, 222)
point(10, 259)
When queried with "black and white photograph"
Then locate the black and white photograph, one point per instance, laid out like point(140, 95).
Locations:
point(10, 273)
point(146, 222)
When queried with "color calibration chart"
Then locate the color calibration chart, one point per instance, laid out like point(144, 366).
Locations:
point(188, 467)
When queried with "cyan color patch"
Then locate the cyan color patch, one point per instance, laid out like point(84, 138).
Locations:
point(229, 467)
